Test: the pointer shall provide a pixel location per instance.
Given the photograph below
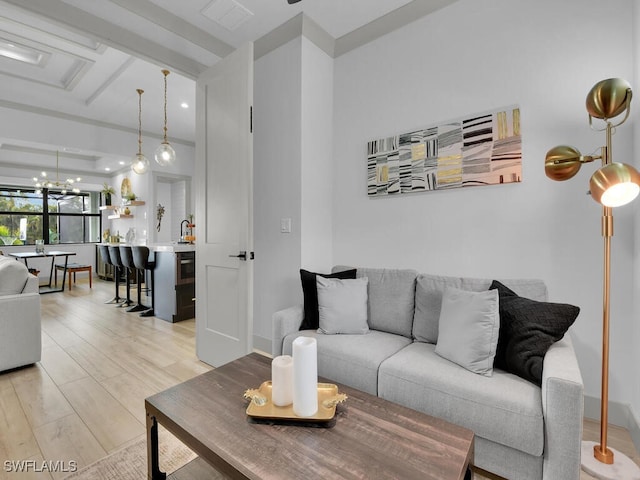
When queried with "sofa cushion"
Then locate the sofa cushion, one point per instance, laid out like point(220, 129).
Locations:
point(342, 305)
point(503, 408)
point(428, 300)
point(528, 328)
point(391, 299)
point(468, 329)
point(429, 290)
point(14, 276)
point(351, 359)
point(310, 295)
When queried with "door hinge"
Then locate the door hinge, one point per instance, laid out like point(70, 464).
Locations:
point(251, 119)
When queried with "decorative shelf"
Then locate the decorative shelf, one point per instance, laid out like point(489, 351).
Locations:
point(132, 203)
point(118, 209)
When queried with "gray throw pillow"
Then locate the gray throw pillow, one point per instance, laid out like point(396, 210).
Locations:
point(468, 329)
point(342, 305)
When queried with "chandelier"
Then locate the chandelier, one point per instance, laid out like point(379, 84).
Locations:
point(44, 182)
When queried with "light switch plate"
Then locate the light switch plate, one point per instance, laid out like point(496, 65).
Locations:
point(285, 225)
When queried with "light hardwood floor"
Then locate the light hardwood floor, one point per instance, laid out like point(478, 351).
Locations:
point(85, 399)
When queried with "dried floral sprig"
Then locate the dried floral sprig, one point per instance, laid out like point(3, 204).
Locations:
point(159, 215)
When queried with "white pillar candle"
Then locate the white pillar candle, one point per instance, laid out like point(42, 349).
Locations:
point(282, 380)
point(305, 377)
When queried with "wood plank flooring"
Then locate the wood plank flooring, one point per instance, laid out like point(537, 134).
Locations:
point(85, 399)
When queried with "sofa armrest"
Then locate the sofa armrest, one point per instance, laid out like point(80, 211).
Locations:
point(20, 335)
point(562, 407)
point(285, 322)
point(32, 285)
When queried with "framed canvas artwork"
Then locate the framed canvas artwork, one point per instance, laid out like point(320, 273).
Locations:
point(483, 149)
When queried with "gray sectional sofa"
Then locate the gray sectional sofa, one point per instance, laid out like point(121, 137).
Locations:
point(523, 431)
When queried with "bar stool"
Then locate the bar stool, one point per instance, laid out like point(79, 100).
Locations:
point(141, 262)
point(106, 258)
point(114, 255)
point(126, 256)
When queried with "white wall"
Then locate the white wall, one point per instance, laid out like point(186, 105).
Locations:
point(316, 159)
point(163, 197)
point(277, 169)
point(476, 56)
point(293, 125)
point(635, 336)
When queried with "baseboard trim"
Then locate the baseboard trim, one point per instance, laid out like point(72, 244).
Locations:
point(619, 414)
point(262, 344)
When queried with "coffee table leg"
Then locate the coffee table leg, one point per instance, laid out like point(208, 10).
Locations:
point(153, 472)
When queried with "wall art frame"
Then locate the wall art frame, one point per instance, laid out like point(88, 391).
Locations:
point(479, 149)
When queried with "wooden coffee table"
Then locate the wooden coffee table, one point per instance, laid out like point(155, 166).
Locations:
point(371, 438)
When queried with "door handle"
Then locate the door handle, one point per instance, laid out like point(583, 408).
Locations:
point(242, 256)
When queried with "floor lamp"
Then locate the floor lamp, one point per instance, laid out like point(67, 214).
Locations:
point(612, 185)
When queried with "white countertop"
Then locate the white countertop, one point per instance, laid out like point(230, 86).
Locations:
point(170, 247)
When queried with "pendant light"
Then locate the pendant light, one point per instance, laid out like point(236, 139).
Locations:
point(165, 154)
point(140, 163)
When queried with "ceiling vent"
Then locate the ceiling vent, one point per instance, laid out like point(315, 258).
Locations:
point(228, 13)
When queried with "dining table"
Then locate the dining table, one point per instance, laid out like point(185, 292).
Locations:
point(53, 254)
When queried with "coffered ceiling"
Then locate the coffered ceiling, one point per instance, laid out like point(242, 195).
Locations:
point(84, 59)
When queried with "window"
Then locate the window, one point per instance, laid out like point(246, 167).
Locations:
point(70, 218)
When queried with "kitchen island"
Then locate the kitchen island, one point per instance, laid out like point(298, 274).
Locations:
point(174, 277)
point(175, 281)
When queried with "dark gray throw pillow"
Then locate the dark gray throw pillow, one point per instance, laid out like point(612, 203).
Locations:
point(527, 329)
point(310, 294)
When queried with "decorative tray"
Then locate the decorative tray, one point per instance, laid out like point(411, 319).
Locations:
point(261, 406)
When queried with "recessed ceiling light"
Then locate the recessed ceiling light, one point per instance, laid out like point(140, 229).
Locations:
point(20, 53)
point(107, 169)
point(121, 162)
point(184, 105)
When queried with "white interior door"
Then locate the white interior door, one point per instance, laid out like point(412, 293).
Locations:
point(224, 204)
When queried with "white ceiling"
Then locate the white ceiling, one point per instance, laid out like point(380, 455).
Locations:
point(96, 53)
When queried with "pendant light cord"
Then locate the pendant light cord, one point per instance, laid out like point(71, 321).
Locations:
point(140, 92)
point(165, 73)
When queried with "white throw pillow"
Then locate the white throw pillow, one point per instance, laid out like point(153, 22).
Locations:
point(342, 305)
point(468, 329)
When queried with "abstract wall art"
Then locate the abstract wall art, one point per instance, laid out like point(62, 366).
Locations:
point(482, 149)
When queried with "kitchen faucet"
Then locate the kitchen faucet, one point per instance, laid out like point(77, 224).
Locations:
point(182, 233)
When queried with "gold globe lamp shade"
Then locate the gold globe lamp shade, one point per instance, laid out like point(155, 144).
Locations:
point(609, 98)
point(563, 162)
point(615, 184)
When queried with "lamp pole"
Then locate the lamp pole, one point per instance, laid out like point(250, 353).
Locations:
point(601, 452)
